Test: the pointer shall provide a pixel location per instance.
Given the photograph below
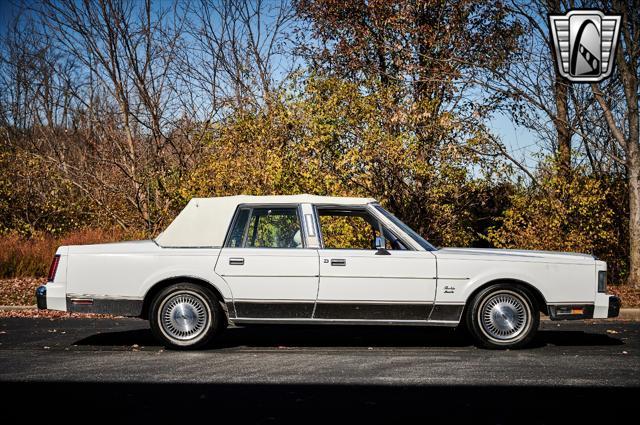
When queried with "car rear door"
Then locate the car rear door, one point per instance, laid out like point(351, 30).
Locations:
point(270, 271)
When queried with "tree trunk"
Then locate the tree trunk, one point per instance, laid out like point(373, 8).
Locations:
point(561, 119)
point(563, 128)
point(633, 161)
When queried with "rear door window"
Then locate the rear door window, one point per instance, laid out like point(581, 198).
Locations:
point(274, 228)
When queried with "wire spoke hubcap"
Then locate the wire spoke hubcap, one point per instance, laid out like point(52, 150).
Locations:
point(504, 316)
point(184, 316)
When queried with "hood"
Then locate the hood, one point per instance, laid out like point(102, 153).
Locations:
point(515, 255)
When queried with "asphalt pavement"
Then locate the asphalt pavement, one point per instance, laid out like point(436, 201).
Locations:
point(114, 369)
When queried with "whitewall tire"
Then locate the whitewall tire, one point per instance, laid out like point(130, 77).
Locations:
point(503, 316)
point(185, 316)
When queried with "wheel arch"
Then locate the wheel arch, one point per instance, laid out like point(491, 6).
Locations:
point(160, 285)
point(538, 296)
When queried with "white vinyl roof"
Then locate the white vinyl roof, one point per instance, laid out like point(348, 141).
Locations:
point(204, 221)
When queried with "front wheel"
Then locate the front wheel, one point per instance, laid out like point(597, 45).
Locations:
point(185, 316)
point(503, 316)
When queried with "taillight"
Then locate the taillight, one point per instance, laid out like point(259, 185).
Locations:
point(602, 281)
point(53, 268)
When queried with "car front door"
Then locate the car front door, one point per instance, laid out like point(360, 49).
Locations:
point(359, 282)
point(271, 273)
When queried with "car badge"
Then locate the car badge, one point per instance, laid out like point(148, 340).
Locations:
point(585, 44)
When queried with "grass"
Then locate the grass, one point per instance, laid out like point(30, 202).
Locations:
point(24, 264)
point(31, 257)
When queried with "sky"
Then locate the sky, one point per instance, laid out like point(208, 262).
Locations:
point(519, 141)
point(6, 12)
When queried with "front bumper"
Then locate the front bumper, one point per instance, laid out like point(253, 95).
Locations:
point(41, 297)
point(607, 306)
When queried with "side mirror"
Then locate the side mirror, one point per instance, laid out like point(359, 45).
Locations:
point(380, 246)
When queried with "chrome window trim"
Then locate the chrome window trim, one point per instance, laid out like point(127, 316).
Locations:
point(308, 212)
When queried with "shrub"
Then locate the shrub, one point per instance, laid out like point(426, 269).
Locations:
point(572, 214)
point(22, 257)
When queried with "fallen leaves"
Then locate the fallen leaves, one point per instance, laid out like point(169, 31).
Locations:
point(19, 291)
point(630, 297)
point(49, 314)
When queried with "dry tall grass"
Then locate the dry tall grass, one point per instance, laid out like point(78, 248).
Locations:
point(21, 257)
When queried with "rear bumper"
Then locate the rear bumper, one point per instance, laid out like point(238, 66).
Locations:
point(84, 304)
point(614, 306)
point(101, 305)
point(41, 297)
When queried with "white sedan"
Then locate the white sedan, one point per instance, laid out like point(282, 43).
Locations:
point(308, 259)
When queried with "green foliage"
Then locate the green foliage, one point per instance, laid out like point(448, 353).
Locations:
point(333, 138)
point(346, 232)
point(328, 136)
point(563, 213)
point(387, 108)
point(34, 198)
point(275, 230)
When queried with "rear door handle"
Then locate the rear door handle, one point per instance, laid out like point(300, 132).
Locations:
point(236, 261)
point(338, 262)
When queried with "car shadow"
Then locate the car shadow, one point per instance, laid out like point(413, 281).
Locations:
point(270, 336)
point(573, 339)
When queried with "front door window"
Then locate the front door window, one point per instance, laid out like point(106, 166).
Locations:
point(354, 229)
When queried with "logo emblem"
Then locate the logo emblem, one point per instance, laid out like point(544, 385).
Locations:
point(585, 43)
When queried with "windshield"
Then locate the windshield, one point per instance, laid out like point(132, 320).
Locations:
point(408, 230)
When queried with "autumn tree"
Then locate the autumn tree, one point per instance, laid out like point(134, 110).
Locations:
point(114, 97)
point(619, 101)
point(115, 113)
point(589, 128)
point(422, 54)
point(330, 138)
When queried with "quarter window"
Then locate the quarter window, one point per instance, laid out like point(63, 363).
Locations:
point(236, 237)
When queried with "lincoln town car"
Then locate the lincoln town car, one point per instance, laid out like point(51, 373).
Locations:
point(305, 259)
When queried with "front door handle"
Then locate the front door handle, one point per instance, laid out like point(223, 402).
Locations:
point(338, 262)
point(236, 261)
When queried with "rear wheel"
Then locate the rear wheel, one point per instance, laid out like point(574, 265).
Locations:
point(185, 316)
point(503, 316)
